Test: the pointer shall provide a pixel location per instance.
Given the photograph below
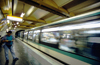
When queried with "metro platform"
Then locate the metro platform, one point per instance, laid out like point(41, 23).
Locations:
point(30, 56)
point(27, 56)
point(21, 52)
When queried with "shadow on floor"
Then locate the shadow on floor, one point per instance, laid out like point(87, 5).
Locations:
point(13, 63)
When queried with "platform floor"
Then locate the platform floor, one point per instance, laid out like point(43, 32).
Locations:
point(22, 52)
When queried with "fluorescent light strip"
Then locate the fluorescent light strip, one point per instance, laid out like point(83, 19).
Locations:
point(92, 31)
point(26, 33)
point(14, 18)
point(30, 31)
point(78, 16)
point(93, 24)
point(36, 31)
point(7, 30)
point(73, 18)
point(15, 5)
point(50, 29)
point(30, 10)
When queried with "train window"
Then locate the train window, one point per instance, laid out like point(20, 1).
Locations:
point(85, 42)
point(67, 41)
point(22, 34)
point(30, 34)
point(36, 36)
point(50, 37)
point(25, 35)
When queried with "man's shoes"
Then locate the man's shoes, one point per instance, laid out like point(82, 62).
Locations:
point(16, 59)
point(7, 61)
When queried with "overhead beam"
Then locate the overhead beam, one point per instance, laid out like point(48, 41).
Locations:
point(2, 3)
point(53, 5)
point(45, 7)
point(28, 25)
point(34, 20)
point(24, 27)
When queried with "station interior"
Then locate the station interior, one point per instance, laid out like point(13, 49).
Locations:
point(50, 32)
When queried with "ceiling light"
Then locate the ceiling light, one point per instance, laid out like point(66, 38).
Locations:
point(30, 10)
point(36, 31)
point(26, 33)
point(8, 21)
point(9, 27)
point(15, 26)
point(7, 30)
point(93, 24)
point(50, 29)
point(96, 12)
point(22, 14)
point(14, 18)
point(17, 22)
point(6, 8)
point(15, 5)
point(92, 31)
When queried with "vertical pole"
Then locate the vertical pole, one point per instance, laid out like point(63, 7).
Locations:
point(6, 22)
point(12, 6)
point(27, 36)
point(32, 35)
point(40, 35)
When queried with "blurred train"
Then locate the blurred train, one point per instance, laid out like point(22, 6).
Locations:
point(79, 35)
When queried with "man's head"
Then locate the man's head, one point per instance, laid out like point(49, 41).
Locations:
point(9, 33)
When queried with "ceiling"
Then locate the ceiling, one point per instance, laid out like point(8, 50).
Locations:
point(40, 12)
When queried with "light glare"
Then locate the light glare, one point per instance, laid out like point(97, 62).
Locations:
point(14, 18)
point(22, 14)
point(8, 21)
point(36, 31)
point(30, 10)
point(93, 24)
point(17, 22)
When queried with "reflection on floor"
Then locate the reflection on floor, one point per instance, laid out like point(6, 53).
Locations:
point(22, 52)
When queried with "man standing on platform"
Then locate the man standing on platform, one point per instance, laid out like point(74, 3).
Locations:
point(8, 45)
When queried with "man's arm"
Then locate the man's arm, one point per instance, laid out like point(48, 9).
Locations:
point(13, 38)
point(4, 39)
